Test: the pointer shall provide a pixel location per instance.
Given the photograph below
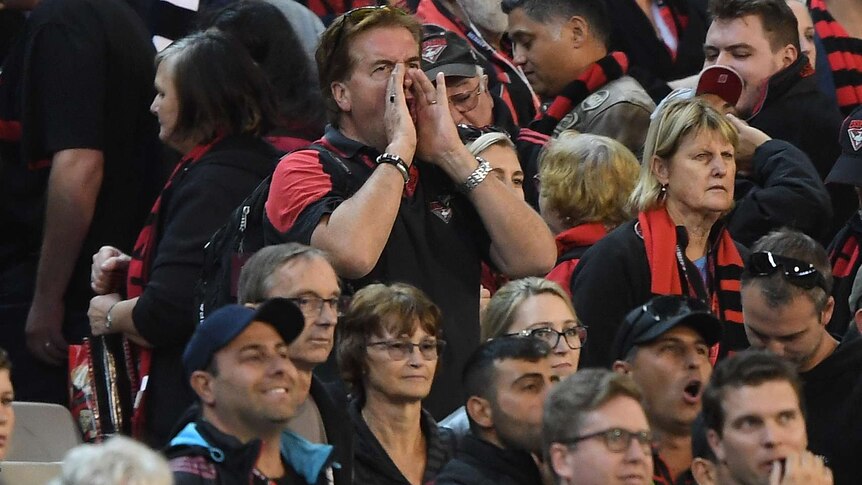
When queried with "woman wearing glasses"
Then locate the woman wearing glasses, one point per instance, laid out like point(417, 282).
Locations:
point(584, 183)
point(389, 347)
point(531, 307)
point(678, 245)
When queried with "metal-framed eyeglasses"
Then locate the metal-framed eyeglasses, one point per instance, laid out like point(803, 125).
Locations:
point(312, 306)
point(400, 349)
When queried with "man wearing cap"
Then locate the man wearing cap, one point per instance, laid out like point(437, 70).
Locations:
point(664, 346)
point(482, 23)
point(470, 100)
point(238, 364)
point(786, 304)
point(759, 39)
point(844, 250)
point(562, 46)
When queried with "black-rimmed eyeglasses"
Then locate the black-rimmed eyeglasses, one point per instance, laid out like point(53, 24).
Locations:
point(574, 336)
point(796, 272)
point(617, 440)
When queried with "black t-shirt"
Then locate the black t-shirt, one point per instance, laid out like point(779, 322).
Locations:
point(81, 77)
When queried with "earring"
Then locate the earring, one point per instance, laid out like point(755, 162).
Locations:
point(663, 193)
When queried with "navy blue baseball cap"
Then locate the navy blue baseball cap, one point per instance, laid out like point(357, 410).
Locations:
point(223, 325)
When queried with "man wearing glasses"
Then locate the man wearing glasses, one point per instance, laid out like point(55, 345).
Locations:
point(595, 431)
point(303, 275)
point(507, 380)
point(402, 199)
point(664, 346)
point(786, 303)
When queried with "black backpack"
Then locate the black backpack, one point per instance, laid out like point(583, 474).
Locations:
point(234, 243)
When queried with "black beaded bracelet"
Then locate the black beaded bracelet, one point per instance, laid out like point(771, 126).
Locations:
point(397, 162)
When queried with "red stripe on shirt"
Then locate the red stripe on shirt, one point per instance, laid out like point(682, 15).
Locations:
point(298, 181)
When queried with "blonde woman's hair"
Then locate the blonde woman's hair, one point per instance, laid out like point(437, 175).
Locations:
point(588, 178)
point(487, 140)
point(500, 312)
point(677, 120)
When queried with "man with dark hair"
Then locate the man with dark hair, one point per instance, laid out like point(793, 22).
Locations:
point(392, 194)
point(303, 275)
point(758, 38)
point(562, 46)
point(664, 345)
point(79, 158)
point(786, 304)
point(239, 366)
point(595, 432)
point(755, 423)
point(507, 380)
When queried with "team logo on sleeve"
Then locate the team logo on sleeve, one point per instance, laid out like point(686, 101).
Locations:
point(855, 133)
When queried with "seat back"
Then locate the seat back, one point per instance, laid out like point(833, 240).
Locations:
point(43, 433)
point(30, 473)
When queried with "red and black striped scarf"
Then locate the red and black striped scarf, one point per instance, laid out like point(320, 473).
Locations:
point(612, 66)
point(844, 54)
point(724, 266)
point(138, 276)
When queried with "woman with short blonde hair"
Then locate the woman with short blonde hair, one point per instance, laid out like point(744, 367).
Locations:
point(585, 182)
point(678, 245)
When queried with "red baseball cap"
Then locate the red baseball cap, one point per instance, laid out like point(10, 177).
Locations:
point(721, 81)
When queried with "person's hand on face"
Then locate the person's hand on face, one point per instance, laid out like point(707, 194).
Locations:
point(437, 133)
point(802, 468)
point(397, 119)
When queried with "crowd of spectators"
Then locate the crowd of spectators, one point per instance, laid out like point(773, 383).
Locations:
point(504, 241)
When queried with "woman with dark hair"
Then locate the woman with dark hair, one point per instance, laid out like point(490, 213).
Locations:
point(388, 351)
point(213, 104)
point(275, 47)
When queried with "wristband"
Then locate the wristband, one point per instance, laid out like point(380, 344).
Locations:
point(477, 176)
point(396, 162)
point(108, 320)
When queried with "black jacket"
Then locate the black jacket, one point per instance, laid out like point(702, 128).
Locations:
point(614, 276)
point(833, 400)
point(650, 60)
point(333, 411)
point(845, 265)
point(478, 462)
point(794, 110)
point(200, 454)
point(371, 464)
point(782, 190)
point(196, 204)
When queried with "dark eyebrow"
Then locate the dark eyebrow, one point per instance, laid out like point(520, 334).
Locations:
point(530, 376)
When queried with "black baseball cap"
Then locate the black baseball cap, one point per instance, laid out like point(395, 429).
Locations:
point(662, 313)
point(848, 166)
point(223, 325)
point(446, 52)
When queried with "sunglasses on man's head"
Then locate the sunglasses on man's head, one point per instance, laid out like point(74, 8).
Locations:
point(666, 307)
point(357, 15)
point(798, 273)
